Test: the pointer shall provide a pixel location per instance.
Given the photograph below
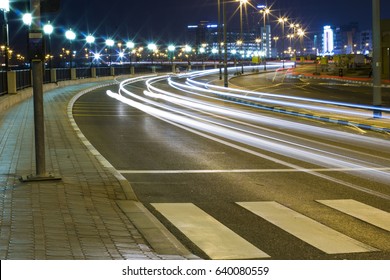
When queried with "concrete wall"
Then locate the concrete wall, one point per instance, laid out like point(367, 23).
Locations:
point(11, 99)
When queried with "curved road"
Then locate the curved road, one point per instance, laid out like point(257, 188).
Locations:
point(232, 181)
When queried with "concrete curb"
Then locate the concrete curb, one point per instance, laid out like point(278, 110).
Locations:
point(156, 234)
point(305, 115)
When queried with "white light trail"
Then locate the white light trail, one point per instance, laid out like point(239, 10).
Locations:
point(206, 127)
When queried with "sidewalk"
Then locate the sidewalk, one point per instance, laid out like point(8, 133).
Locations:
point(89, 214)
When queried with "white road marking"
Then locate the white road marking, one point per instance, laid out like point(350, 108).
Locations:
point(306, 229)
point(360, 211)
point(212, 237)
point(184, 171)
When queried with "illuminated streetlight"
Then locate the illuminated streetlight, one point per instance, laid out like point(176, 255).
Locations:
point(48, 30)
point(4, 5)
point(70, 35)
point(265, 11)
point(110, 43)
point(152, 48)
point(27, 19)
point(90, 39)
point(282, 21)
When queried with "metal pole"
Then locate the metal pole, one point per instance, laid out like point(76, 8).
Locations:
point(219, 40)
point(377, 58)
point(37, 74)
point(241, 39)
point(265, 42)
point(37, 80)
point(283, 41)
point(6, 40)
point(226, 84)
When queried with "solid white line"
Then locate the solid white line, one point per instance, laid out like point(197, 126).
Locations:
point(286, 170)
point(212, 237)
point(360, 211)
point(306, 229)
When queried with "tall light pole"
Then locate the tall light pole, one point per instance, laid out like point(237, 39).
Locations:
point(265, 11)
point(152, 47)
point(110, 43)
point(48, 30)
point(241, 40)
point(219, 31)
point(90, 39)
point(36, 55)
point(70, 35)
point(282, 21)
point(225, 71)
point(4, 6)
point(130, 45)
point(377, 58)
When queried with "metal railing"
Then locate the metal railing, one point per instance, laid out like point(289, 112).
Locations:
point(3, 83)
point(23, 79)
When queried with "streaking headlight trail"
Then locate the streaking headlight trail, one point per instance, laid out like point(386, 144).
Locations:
point(192, 107)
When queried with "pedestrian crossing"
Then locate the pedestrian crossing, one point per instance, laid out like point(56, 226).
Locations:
point(217, 241)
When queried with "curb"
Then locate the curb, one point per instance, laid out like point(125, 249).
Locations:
point(305, 115)
point(155, 233)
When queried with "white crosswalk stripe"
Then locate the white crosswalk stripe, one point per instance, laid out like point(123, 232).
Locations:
point(360, 211)
point(212, 237)
point(219, 242)
point(306, 229)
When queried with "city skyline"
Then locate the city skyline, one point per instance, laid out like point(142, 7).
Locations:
point(158, 25)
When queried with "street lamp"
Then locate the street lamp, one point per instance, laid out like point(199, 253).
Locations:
point(4, 6)
point(48, 30)
point(241, 35)
point(152, 48)
point(90, 39)
point(282, 21)
point(265, 11)
point(171, 49)
point(130, 45)
point(27, 19)
point(70, 35)
point(109, 43)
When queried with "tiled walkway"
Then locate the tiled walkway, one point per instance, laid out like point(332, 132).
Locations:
point(76, 217)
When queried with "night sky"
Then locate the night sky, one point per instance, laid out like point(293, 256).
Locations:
point(167, 20)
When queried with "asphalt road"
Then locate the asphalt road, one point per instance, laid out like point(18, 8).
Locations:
point(197, 169)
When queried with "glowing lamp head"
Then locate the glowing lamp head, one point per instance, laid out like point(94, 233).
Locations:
point(130, 45)
point(27, 19)
point(152, 47)
point(4, 5)
point(48, 28)
point(90, 39)
point(110, 42)
point(70, 35)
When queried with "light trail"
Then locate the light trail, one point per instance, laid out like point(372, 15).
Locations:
point(206, 127)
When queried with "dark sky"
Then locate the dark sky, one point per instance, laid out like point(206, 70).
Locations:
point(167, 19)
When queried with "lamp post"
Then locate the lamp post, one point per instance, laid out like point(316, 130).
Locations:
point(110, 43)
point(36, 58)
point(70, 35)
point(90, 40)
point(48, 30)
point(377, 59)
point(130, 45)
point(152, 48)
point(4, 6)
point(171, 49)
point(241, 40)
point(265, 11)
point(282, 21)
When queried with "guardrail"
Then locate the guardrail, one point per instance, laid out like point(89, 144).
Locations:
point(3, 83)
point(21, 79)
